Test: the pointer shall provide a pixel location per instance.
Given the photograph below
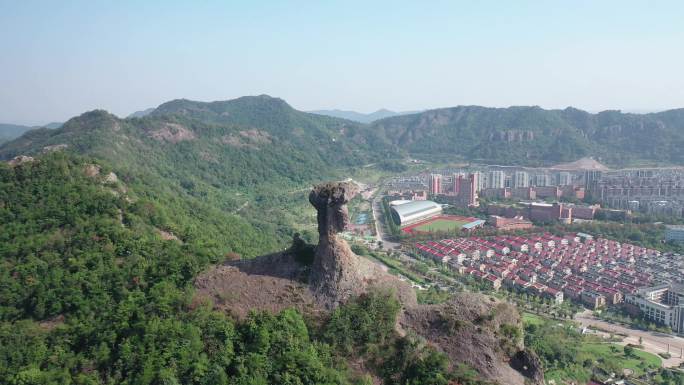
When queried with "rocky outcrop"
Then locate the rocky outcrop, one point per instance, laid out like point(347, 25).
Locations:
point(172, 133)
point(338, 274)
point(267, 283)
point(529, 364)
point(471, 328)
point(335, 271)
point(19, 160)
point(55, 147)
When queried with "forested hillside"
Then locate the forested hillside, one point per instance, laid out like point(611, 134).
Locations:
point(91, 289)
point(92, 293)
point(534, 136)
point(254, 157)
point(103, 231)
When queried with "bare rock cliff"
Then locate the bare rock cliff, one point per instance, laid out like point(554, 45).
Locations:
point(337, 273)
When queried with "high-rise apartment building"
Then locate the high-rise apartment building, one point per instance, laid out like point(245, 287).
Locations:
point(496, 179)
point(521, 179)
point(542, 180)
point(481, 180)
point(435, 184)
point(564, 178)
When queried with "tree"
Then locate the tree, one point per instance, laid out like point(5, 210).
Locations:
point(629, 351)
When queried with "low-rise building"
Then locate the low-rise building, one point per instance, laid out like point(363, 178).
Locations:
point(515, 223)
point(555, 295)
point(674, 233)
point(663, 304)
point(593, 299)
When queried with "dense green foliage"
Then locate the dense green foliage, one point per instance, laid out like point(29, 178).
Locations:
point(255, 157)
point(366, 328)
point(368, 321)
point(569, 355)
point(534, 136)
point(91, 293)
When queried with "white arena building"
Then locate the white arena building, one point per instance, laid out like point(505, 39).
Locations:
point(414, 211)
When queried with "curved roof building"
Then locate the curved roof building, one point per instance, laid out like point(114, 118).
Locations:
point(414, 211)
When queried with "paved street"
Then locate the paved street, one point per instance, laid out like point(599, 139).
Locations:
point(381, 234)
point(653, 342)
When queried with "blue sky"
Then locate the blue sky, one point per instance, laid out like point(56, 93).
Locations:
point(61, 58)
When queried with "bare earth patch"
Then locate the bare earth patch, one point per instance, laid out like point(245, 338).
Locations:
point(51, 323)
point(172, 133)
point(21, 159)
point(587, 163)
point(269, 283)
point(252, 138)
point(467, 329)
point(168, 236)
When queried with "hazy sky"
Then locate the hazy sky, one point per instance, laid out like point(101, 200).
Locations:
point(61, 58)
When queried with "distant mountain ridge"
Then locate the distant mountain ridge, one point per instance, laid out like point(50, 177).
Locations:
point(535, 136)
point(142, 113)
point(518, 135)
point(233, 127)
point(233, 154)
point(361, 117)
point(12, 131)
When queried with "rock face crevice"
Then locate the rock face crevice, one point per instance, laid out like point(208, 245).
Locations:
point(529, 365)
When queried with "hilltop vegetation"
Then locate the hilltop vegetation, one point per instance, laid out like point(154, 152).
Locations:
point(269, 140)
point(534, 136)
point(92, 293)
point(516, 135)
point(254, 157)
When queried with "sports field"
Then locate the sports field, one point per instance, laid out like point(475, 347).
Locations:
point(440, 223)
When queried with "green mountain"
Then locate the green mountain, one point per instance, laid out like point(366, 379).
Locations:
point(93, 292)
point(252, 157)
point(534, 136)
point(106, 227)
point(141, 113)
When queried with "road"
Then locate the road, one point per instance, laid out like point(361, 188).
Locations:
point(653, 342)
point(380, 234)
